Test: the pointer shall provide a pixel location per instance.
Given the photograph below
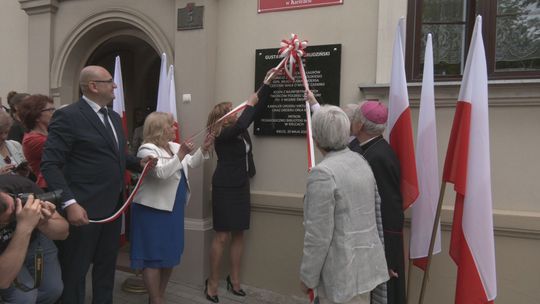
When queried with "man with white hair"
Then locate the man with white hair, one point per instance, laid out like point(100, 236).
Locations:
point(368, 123)
point(343, 256)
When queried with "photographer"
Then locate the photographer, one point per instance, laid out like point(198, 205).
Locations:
point(28, 258)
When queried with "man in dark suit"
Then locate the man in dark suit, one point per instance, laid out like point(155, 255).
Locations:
point(368, 124)
point(85, 156)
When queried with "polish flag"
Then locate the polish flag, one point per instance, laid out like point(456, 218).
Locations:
point(467, 166)
point(425, 207)
point(166, 101)
point(399, 122)
point(118, 102)
point(120, 108)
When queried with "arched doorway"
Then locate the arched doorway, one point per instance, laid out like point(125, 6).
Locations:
point(97, 40)
point(140, 73)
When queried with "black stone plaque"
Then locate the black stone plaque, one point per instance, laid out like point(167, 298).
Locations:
point(285, 114)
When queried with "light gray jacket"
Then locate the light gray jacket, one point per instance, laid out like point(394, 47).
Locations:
point(342, 249)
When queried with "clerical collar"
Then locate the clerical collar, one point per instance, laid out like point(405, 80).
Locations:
point(367, 141)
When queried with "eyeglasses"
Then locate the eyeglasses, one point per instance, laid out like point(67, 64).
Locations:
point(48, 109)
point(102, 81)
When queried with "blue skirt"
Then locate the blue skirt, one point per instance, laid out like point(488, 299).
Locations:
point(157, 236)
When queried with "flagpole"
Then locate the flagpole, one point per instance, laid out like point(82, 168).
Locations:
point(408, 281)
point(432, 242)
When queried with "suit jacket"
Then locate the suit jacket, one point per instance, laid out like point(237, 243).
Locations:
point(342, 249)
point(234, 165)
point(82, 159)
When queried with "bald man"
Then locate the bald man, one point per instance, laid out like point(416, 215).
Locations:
point(85, 156)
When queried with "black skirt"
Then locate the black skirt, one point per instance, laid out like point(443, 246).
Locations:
point(231, 207)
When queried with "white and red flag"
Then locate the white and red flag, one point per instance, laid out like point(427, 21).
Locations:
point(467, 166)
point(166, 101)
point(425, 207)
point(118, 102)
point(399, 122)
point(120, 108)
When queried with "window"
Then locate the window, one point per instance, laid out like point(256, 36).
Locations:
point(511, 32)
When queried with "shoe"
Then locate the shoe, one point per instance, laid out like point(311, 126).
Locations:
point(240, 292)
point(213, 299)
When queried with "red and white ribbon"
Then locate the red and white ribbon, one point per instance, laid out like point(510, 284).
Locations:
point(128, 201)
point(146, 168)
point(309, 137)
point(313, 296)
point(291, 51)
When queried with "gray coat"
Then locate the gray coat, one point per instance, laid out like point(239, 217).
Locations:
point(342, 249)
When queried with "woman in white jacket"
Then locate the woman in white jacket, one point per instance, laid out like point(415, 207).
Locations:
point(157, 214)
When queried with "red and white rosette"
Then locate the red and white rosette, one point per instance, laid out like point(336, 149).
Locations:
point(292, 51)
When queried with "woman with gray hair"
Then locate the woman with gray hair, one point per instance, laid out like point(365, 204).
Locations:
point(343, 257)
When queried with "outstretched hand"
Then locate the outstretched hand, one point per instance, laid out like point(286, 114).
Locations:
point(270, 75)
point(185, 148)
point(310, 97)
point(148, 159)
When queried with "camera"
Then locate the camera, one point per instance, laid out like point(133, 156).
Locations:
point(54, 197)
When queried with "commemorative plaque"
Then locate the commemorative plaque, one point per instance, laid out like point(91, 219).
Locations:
point(285, 114)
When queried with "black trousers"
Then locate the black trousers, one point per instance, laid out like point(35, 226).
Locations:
point(95, 244)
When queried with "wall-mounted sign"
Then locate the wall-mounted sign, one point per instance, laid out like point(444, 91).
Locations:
point(190, 17)
point(266, 6)
point(285, 114)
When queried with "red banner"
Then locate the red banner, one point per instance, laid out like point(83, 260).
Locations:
point(266, 6)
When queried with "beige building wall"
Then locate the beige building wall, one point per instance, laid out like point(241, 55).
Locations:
point(217, 63)
point(14, 41)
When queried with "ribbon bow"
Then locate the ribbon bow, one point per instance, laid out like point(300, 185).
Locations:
point(292, 51)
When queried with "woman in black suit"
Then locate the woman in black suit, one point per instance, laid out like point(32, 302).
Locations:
point(230, 185)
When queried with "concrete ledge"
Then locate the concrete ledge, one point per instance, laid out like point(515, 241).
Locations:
point(502, 93)
point(509, 223)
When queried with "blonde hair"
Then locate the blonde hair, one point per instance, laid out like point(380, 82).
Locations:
point(217, 112)
point(154, 128)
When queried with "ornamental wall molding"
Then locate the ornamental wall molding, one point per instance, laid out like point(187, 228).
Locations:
point(35, 7)
point(502, 93)
point(125, 20)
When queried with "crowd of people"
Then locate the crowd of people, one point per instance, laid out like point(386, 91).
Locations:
point(353, 243)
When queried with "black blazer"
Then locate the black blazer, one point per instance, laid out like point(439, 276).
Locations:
point(234, 165)
point(80, 158)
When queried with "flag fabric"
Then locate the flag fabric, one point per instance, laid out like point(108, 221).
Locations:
point(166, 101)
point(399, 122)
point(120, 108)
point(467, 166)
point(425, 207)
point(163, 87)
point(172, 101)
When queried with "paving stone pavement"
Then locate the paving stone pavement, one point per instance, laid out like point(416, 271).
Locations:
point(181, 293)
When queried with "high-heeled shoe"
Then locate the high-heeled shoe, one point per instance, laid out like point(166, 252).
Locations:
point(240, 292)
point(213, 299)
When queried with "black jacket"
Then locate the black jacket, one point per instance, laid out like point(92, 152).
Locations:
point(234, 165)
point(82, 159)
